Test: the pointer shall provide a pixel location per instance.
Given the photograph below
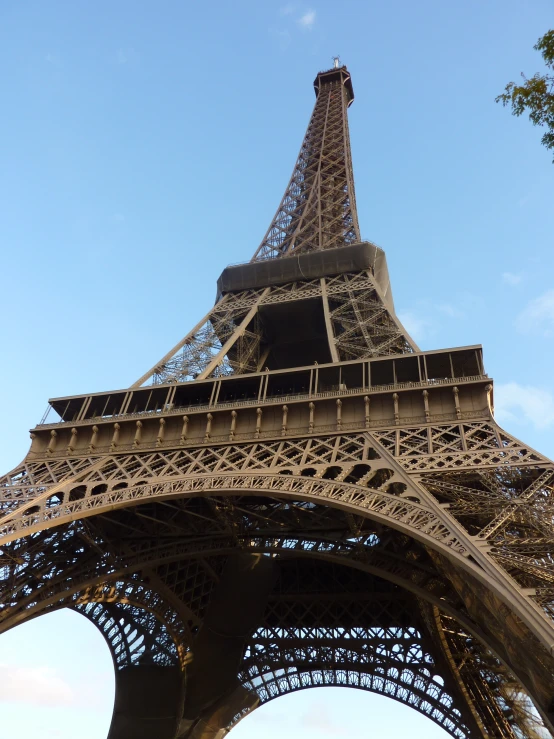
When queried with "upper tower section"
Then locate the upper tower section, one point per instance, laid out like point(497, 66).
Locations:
point(318, 209)
point(313, 293)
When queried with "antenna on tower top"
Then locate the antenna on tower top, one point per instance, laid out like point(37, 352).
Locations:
point(336, 61)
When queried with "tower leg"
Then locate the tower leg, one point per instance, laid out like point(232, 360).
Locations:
point(148, 703)
point(213, 695)
point(215, 725)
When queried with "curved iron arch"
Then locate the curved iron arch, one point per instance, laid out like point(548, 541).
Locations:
point(323, 553)
point(134, 635)
point(448, 719)
point(407, 516)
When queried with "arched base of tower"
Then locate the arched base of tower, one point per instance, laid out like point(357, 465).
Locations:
point(148, 703)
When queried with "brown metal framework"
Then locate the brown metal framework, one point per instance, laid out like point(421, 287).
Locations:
point(296, 496)
point(318, 209)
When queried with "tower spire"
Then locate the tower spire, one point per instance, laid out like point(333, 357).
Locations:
point(318, 209)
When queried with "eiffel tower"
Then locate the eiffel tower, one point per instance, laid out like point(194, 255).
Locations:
point(295, 496)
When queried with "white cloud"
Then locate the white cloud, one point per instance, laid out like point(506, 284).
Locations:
point(471, 301)
point(450, 310)
point(425, 321)
point(538, 316)
point(319, 718)
point(510, 278)
point(307, 20)
point(34, 685)
point(126, 56)
point(283, 38)
point(417, 326)
point(53, 59)
point(303, 19)
point(517, 403)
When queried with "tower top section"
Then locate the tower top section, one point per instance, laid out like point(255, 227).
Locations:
point(318, 209)
point(338, 74)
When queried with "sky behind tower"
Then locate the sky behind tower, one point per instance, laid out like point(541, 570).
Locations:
point(147, 145)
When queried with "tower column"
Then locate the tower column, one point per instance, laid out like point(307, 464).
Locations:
point(148, 702)
point(213, 694)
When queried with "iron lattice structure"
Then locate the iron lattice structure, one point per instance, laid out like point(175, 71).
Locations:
point(295, 496)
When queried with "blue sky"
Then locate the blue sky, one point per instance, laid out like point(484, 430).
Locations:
point(147, 145)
